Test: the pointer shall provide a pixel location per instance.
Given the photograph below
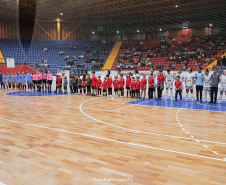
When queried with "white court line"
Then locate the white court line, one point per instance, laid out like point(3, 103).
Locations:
point(112, 140)
point(137, 131)
point(1, 183)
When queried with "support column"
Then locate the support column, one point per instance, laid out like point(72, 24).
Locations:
point(58, 30)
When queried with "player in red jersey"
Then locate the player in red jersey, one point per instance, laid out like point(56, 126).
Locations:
point(178, 88)
point(94, 84)
point(151, 85)
point(160, 85)
point(109, 81)
point(99, 84)
point(105, 87)
point(116, 82)
point(122, 82)
point(132, 87)
point(138, 87)
point(143, 86)
point(128, 81)
point(59, 83)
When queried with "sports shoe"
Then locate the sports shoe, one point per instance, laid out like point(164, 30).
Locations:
point(205, 101)
point(165, 99)
point(219, 102)
point(191, 100)
point(171, 99)
point(186, 100)
point(180, 100)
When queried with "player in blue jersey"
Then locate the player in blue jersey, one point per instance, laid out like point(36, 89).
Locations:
point(12, 81)
point(4, 80)
point(8, 78)
point(23, 85)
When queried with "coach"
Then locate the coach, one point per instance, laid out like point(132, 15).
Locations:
point(199, 84)
point(215, 78)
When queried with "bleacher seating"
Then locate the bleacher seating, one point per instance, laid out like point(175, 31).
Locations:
point(161, 60)
point(30, 52)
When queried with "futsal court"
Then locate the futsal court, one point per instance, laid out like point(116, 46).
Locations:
point(75, 139)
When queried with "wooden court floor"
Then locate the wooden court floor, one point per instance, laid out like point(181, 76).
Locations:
point(80, 140)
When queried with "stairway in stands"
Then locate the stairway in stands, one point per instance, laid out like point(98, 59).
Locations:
point(210, 66)
point(112, 56)
point(2, 60)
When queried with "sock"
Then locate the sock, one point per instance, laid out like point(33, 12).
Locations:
point(166, 93)
point(209, 94)
point(205, 95)
point(221, 97)
point(80, 91)
point(127, 93)
point(192, 96)
point(50, 88)
point(186, 95)
point(84, 91)
point(155, 94)
point(171, 92)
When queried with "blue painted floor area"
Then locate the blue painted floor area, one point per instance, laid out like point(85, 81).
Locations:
point(186, 105)
point(32, 93)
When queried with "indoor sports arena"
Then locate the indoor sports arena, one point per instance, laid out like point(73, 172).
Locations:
point(112, 92)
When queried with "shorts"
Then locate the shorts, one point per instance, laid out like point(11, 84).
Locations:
point(30, 81)
point(83, 86)
point(143, 90)
point(44, 81)
point(121, 89)
point(50, 82)
point(104, 90)
point(65, 87)
point(190, 87)
point(40, 82)
point(34, 82)
point(128, 88)
point(94, 87)
point(59, 86)
point(79, 86)
point(22, 81)
point(169, 85)
point(207, 88)
point(115, 90)
point(222, 89)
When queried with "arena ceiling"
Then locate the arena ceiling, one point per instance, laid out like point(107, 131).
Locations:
point(152, 12)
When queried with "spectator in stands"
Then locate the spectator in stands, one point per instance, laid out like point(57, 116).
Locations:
point(170, 66)
point(118, 66)
point(173, 66)
point(61, 52)
point(224, 61)
point(184, 68)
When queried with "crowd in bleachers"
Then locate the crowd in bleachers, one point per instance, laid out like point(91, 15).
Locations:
point(73, 55)
point(169, 53)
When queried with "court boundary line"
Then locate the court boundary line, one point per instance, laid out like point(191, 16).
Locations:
point(112, 140)
point(138, 131)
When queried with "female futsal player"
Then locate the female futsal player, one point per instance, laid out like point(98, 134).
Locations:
point(50, 80)
point(189, 82)
point(223, 85)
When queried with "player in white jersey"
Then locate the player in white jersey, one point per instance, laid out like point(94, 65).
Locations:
point(206, 84)
point(169, 84)
point(189, 82)
point(154, 76)
point(223, 85)
point(182, 78)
